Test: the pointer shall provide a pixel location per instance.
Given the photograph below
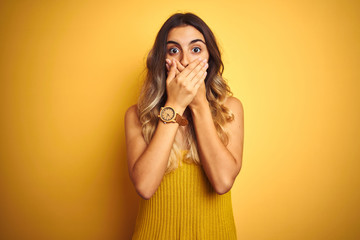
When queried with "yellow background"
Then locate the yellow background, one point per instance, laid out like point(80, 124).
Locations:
point(70, 69)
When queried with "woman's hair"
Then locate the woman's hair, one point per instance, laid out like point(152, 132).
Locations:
point(153, 93)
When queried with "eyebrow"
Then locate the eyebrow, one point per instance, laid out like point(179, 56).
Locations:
point(193, 41)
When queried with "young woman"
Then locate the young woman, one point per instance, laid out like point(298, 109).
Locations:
point(185, 137)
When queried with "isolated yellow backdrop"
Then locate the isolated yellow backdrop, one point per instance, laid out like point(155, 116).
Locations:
point(70, 69)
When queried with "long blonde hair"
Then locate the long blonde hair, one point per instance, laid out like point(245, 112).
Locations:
point(153, 93)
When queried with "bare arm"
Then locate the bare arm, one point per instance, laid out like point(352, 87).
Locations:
point(147, 163)
point(221, 163)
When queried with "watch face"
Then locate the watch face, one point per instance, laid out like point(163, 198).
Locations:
point(167, 113)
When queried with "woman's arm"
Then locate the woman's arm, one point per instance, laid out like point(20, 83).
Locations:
point(147, 163)
point(221, 163)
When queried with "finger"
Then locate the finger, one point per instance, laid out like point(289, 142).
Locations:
point(180, 66)
point(172, 72)
point(200, 81)
point(168, 64)
point(177, 69)
point(167, 69)
point(199, 69)
point(190, 67)
point(199, 77)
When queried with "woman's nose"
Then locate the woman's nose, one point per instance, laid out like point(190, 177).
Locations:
point(184, 60)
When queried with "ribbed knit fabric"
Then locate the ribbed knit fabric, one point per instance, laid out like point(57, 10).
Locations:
point(185, 207)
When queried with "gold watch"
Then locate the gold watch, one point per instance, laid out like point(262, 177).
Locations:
point(169, 115)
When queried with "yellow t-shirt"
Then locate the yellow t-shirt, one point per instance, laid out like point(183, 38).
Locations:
point(185, 207)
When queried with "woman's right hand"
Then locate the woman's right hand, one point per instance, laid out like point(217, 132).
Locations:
point(182, 86)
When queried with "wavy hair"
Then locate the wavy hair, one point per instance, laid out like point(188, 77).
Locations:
point(153, 93)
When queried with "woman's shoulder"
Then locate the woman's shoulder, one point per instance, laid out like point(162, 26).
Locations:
point(131, 113)
point(132, 109)
point(234, 104)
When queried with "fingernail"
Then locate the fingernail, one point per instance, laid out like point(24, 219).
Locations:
point(205, 60)
point(200, 58)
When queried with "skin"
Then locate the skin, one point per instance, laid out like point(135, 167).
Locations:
point(186, 64)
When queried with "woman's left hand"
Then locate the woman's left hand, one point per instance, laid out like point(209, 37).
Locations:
point(200, 99)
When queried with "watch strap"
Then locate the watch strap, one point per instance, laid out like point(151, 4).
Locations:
point(181, 120)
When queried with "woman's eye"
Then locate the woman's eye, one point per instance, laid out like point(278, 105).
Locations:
point(173, 50)
point(196, 49)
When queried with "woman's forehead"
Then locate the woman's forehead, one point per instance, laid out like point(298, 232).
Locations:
point(184, 35)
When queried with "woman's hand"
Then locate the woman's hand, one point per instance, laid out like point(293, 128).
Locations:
point(179, 66)
point(200, 97)
point(182, 87)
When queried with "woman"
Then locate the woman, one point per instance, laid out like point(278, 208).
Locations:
point(184, 137)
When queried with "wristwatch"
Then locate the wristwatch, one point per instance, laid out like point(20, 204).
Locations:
point(169, 115)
